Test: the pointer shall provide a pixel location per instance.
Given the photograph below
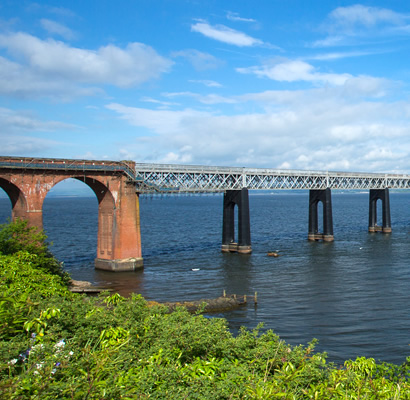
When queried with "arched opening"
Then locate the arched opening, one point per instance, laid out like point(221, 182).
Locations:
point(70, 220)
point(321, 214)
point(106, 217)
point(16, 205)
point(230, 236)
point(5, 207)
point(379, 212)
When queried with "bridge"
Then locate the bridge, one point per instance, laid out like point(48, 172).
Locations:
point(200, 179)
point(118, 185)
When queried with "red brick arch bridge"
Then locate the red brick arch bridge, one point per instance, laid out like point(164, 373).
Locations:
point(27, 182)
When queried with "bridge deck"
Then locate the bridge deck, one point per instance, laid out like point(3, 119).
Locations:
point(67, 165)
point(170, 178)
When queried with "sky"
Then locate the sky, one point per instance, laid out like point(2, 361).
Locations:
point(297, 84)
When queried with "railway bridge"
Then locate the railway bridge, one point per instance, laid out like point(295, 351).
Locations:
point(118, 185)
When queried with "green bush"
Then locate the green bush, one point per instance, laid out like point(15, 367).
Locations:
point(59, 345)
point(22, 286)
point(17, 236)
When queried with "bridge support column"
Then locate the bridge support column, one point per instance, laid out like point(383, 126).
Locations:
point(383, 195)
point(324, 196)
point(119, 237)
point(240, 198)
point(27, 198)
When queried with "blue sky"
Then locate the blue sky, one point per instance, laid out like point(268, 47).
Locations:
point(293, 84)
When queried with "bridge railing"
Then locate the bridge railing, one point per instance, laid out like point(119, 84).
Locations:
point(69, 165)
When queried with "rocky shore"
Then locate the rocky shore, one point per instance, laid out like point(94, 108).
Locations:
point(219, 304)
point(85, 287)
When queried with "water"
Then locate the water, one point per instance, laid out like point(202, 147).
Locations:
point(353, 294)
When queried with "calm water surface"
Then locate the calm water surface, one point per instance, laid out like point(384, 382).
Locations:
point(353, 294)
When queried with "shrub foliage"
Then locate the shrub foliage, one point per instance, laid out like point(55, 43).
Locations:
point(59, 345)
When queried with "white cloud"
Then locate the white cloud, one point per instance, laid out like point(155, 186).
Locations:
point(332, 126)
point(340, 55)
point(54, 27)
point(34, 8)
point(177, 158)
point(200, 61)
point(162, 121)
point(23, 121)
point(125, 154)
point(371, 131)
point(17, 129)
point(204, 99)
point(304, 130)
point(205, 82)
point(233, 16)
point(88, 155)
point(216, 99)
point(359, 15)
point(293, 71)
point(20, 81)
point(368, 86)
point(330, 41)
point(25, 145)
point(159, 102)
point(346, 25)
point(382, 153)
point(44, 67)
point(225, 34)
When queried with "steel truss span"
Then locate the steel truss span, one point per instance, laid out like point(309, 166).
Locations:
point(162, 178)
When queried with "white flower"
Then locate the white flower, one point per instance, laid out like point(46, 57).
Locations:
point(60, 344)
point(36, 347)
point(13, 361)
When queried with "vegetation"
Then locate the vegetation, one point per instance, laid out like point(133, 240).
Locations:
point(58, 345)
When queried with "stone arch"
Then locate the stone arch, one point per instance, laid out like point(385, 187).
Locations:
point(106, 216)
point(17, 198)
point(106, 213)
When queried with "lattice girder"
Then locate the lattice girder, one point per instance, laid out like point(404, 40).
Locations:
point(183, 178)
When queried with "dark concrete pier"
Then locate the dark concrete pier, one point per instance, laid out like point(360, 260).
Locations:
point(384, 197)
point(325, 197)
point(239, 198)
